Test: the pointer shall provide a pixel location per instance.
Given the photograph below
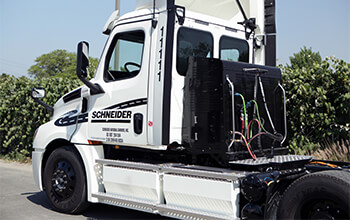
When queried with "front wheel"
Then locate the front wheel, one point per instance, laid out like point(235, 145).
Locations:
point(65, 181)
point(320, 195)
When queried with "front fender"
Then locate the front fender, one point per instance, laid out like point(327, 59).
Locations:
point(45, 134)
point(48, 133)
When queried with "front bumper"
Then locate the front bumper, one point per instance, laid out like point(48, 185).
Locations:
point(37, 157)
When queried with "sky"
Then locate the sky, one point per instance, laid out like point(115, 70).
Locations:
point(29, 29)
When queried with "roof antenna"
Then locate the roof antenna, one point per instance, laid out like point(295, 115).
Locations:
point(247, 23)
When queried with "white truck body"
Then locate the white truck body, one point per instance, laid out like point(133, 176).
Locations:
point(144, 110)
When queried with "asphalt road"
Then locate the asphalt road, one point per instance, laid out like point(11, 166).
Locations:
point(21, 199)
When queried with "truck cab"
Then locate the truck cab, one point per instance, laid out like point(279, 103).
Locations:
point(144, 64)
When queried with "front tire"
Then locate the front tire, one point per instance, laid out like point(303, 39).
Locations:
point(65, 181)
point(320, 195)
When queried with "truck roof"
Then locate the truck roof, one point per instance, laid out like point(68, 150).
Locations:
point(224, 13)
point(223, 9)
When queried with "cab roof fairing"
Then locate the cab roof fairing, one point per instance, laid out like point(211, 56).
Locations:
point(227, 11)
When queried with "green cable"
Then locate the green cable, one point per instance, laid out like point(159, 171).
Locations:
point(245, 115)
point(251, 130)
point(257, 110)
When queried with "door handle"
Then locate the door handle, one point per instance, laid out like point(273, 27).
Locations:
point(84, 105)
point(138, 121)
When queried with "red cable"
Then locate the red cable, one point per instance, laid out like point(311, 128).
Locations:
point(261, 133)
point(247, 145)
point(250, 124)
point(242, 126)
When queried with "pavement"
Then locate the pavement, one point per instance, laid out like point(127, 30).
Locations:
point(20, 198)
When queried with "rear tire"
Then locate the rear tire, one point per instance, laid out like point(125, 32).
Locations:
point(320, 195)
point(65, 181)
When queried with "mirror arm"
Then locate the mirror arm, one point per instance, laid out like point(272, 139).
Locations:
point(48, 107)
point(94, 88)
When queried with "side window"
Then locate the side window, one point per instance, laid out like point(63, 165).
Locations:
point(233, 49)
point(192, 42)
point(124, 58)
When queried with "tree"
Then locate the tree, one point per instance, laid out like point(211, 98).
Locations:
point(305, 58)
point(58, 63)
point(318, 100)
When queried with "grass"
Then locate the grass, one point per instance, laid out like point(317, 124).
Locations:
point(335, 151)
point(17, 158)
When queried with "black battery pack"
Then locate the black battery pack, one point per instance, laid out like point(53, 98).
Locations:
point(209, 115)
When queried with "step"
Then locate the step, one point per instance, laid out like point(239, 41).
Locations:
point(136, 204)
point(162, 209)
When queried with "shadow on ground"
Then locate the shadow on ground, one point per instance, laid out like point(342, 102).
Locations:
point(95, 211)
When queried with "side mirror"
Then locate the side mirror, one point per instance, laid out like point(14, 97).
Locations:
point(38, 93)
point(82, 68)
point(83, 59)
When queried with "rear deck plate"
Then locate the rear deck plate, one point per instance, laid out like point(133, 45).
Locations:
point(280, 159)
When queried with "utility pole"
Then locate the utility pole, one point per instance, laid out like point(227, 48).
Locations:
point(117, 6)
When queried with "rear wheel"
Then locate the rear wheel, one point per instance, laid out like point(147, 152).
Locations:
point(64, 181)
point(320, 195)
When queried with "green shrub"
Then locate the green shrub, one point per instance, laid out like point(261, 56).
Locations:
point(318, 103)
point(20, 115)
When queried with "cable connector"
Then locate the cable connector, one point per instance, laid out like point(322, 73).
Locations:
point(248, 104)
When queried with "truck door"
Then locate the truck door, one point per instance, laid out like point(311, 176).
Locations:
point(119, 116)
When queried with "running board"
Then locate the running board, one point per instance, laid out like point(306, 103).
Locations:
point(161, 209)
point(136, 204)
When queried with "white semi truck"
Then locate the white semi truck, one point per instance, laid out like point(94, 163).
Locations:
point(185, 117)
